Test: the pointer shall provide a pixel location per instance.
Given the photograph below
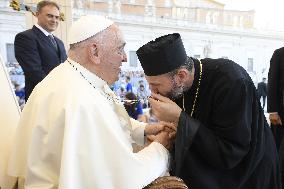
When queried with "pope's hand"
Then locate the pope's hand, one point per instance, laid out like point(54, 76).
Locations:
point(164, 108)
point(164, 138)
point(155, 128)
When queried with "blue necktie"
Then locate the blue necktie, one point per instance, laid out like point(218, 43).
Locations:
point(53, 42)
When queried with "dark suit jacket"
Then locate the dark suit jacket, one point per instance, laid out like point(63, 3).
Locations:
point(275, 95)
point(37, 56)
point(262, 89)
point(275, 100)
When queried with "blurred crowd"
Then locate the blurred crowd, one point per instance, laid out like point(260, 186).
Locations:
point(133, 89)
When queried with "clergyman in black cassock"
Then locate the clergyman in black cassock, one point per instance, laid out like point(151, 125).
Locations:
point(223, 140)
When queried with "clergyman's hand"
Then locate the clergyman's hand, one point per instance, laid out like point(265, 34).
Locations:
point(164, 108)
point(275, 119)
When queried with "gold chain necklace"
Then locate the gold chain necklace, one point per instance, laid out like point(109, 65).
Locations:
point(197, 92)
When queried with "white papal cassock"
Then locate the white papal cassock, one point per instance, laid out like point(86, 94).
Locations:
point(72, 135)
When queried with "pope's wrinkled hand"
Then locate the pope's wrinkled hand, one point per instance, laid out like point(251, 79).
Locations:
point(164, 108)
point(155, 128)
point(164, 138)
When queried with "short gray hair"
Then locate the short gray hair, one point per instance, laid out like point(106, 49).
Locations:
point(44, 3)
point(188, 64)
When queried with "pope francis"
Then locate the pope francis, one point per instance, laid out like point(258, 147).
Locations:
point(74, 133)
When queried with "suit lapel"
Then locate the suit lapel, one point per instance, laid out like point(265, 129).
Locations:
point(44, 38)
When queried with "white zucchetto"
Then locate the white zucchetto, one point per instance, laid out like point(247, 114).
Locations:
point(86, 27)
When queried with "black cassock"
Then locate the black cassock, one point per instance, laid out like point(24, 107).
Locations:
point(227, 143)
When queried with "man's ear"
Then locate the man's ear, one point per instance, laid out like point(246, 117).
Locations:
point(94, 53)
point(182, 75)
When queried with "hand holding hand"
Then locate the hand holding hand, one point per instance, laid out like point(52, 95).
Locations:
point(155, 128)
point(164, 138)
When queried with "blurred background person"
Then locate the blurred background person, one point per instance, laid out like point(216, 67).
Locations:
point(19, 91)
point(20, 94)
point(121, 93)
point(142, 95)
point(133, 106)
point(128, 87)
point(262, 91)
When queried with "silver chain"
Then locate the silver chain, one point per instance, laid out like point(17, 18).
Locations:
point(108, 96)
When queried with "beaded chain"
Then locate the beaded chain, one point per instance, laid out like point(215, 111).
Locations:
point(197, 92)
point(108, 96)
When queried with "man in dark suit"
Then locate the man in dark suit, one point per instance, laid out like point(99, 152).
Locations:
point(275, 98)
point(262, 91)
point(275, 102)
point(36, 49)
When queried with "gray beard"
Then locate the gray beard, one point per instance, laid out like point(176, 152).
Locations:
point(177, 91)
